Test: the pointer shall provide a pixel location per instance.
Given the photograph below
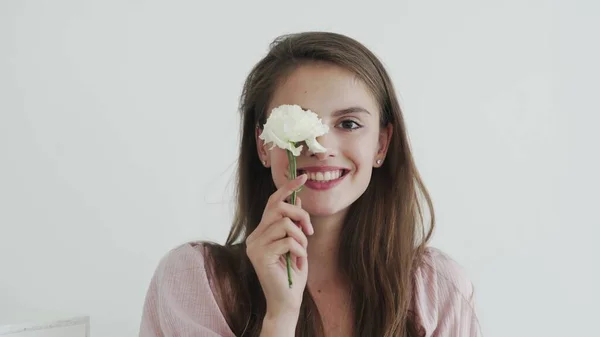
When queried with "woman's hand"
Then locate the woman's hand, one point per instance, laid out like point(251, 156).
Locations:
point(283, 228)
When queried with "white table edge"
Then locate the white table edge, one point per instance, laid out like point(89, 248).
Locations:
point(14, 328)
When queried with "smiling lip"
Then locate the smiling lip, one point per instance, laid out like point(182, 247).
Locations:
point(321, 185)
point(321, 168)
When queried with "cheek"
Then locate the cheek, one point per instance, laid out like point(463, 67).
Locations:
point(279, 166)
point(362, 151)
point(279, 159)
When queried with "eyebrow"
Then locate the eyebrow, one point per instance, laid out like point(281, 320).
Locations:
point(353, 109)
point(346, 111)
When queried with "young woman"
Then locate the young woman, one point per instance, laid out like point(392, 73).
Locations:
point(357, 234)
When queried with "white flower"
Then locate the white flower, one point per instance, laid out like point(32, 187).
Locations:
point(290, 124)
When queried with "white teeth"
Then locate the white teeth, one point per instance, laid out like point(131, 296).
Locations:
point(324, 176)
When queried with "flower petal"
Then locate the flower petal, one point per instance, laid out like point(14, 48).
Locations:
point(296, 150)
point(290, 124)
point(270, 137)
point(314, 146)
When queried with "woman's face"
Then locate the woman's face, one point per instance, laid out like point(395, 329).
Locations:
point(354, 142)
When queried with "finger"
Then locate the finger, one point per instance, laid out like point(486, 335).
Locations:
point(285, 210)
point(308, 227)
point(272, 213)
point(283, 228)
point(288, 199)
point(284, 191)
point(278, 212)
point(301, 264)
point(285, 245)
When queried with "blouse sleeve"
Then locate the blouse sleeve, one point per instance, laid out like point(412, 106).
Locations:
point(180, 301)
point(445, 298)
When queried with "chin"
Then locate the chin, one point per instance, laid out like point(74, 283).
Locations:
point(323, 209)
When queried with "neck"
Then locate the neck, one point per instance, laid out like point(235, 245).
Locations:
point(323, 248)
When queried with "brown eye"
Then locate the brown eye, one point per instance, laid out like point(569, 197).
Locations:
point(349, 124)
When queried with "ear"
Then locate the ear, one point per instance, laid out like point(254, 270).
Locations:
point(385, 136)
point(263, 154)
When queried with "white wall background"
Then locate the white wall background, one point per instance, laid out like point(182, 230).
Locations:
point(118, 138)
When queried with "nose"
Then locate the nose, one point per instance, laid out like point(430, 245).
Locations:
point(330, 149)
point(321, 155)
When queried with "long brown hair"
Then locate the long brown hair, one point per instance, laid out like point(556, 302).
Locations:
point(384, 233)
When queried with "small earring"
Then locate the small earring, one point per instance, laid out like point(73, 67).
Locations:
point(264, 162)
point(379, 161)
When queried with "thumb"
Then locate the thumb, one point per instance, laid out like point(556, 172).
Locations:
point(298, 202)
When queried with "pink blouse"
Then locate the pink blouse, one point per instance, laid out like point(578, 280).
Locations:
point(181, 302)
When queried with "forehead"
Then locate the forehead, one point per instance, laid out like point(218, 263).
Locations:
point(323, 88)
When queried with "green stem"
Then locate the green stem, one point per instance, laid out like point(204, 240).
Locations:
point(292, 164)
